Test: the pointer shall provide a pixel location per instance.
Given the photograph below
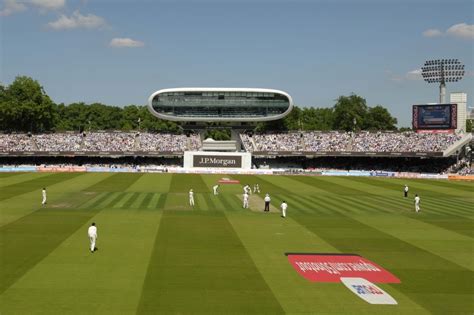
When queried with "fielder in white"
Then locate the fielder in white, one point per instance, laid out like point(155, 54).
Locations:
point(92, 232)
point(246, 201)
point(191, 198)
point(417, 203)
point(215, 188)
point(405, 191)
point(283, 207)
point(43, 192)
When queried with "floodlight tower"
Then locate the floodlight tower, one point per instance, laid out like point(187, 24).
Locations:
point(442, 71)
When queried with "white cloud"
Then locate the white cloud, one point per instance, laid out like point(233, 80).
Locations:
point(48, 4)
point(11, 6)
point(461, 30)
point(77, 20)
point(432, 33)
point(14, 6)
point(125, 42)
point(414, 75)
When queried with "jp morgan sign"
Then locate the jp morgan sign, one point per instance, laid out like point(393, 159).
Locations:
point(217, 161)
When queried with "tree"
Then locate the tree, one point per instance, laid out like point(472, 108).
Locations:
point(349, 113)
point(378, 118)
point(469, 125)
point(317, 118)
point(24, 106)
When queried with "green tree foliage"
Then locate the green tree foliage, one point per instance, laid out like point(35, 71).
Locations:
point(350, 113)
point(24, 106)
point(218, 134)
point(378, 118)
point(469, 125)
point(317, 118)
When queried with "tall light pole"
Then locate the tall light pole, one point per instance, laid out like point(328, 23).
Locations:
point(442, 71)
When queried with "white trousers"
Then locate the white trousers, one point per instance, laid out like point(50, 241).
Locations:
point(246, 204)
point(283, 212)
point(44, 200)
point(191, 202)
point(417, 207)
point(92, 239)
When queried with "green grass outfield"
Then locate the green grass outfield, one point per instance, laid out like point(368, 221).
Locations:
point(157, 255)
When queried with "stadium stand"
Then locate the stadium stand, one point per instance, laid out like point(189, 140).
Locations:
point(98, 141)
point(350, 142)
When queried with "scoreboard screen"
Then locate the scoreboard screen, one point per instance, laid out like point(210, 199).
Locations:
point(439, 116)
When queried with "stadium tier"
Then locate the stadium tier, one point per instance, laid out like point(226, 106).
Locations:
point(347, 143)
point(297, 143)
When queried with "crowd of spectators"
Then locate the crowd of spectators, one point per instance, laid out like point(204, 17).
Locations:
point(273, 142)
point(331, 142)
point(15, 142)
point(106, 141)
point(58, 142)
point(165, 142)
point(99, 141)
point(296, 141)
point(350, 142)
point(402, 142)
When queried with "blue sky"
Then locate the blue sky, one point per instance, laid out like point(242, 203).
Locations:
point(119, 52)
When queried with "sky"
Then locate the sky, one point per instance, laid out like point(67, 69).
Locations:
point(118, 52)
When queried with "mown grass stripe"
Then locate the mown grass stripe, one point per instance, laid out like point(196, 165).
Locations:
point(228, 206)
point(117, 182)
point(17, 189)
point(459, 204)
point(99, 201)
point(131, 200)
point(420, 188)
point(218, 203)
point(451, 185)
point(24, 243)
point(154, 201)
point(302, 205)
point(439, 208)
point(96, 198)
point(124, 198)
point(136, 204)
point(293, 205)
point(446, 220)
point(107, 201)
point(161, 201)
point(210, 202)
point(327, 184)
point(206, 270)
point(146, 201)
point(313, 204)
point(373, 207)
point(4, 175)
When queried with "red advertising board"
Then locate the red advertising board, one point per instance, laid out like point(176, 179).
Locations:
point(331, 267)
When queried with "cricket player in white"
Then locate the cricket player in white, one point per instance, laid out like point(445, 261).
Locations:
point(191, 198)
point(215, 188)
point(44, 196)
point(417, 203)
point(246, 201)
point(283, 207)
point(405, 191)
point(247, 189)
point(92, 232)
